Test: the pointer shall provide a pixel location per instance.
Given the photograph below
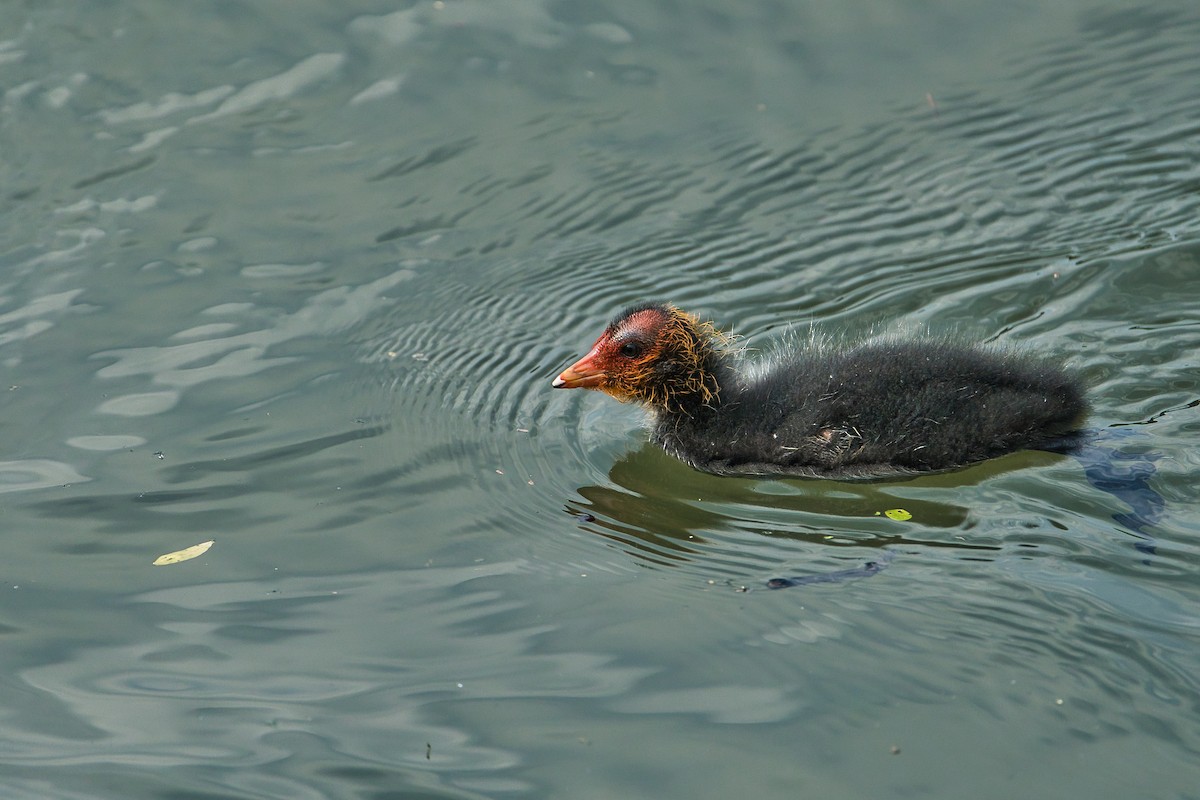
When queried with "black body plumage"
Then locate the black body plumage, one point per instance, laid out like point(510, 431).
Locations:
point(873, 410)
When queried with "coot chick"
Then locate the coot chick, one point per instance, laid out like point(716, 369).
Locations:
point(853, 411)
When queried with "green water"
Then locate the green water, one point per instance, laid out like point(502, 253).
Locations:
point(295, 277)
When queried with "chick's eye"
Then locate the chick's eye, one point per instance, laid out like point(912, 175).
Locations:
point(631, 349)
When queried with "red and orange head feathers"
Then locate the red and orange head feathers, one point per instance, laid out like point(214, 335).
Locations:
point(651, 353)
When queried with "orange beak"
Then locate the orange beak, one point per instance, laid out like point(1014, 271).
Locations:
point(583, 374)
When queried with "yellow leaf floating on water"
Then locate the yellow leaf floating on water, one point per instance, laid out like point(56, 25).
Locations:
point(183, 555)
point(898, 514)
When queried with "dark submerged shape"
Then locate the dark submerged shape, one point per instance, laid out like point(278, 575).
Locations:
point(858, 411)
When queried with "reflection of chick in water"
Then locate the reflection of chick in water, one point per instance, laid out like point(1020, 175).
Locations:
point(651, 510)
point(870, 410)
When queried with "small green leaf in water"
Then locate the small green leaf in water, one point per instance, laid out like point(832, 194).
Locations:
point(898, 514)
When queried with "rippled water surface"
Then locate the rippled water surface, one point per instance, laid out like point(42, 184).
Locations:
point(295, 277)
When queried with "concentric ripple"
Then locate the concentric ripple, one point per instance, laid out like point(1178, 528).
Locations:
point(974, 207)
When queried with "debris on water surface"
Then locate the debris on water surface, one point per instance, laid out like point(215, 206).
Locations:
point(185, 554)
